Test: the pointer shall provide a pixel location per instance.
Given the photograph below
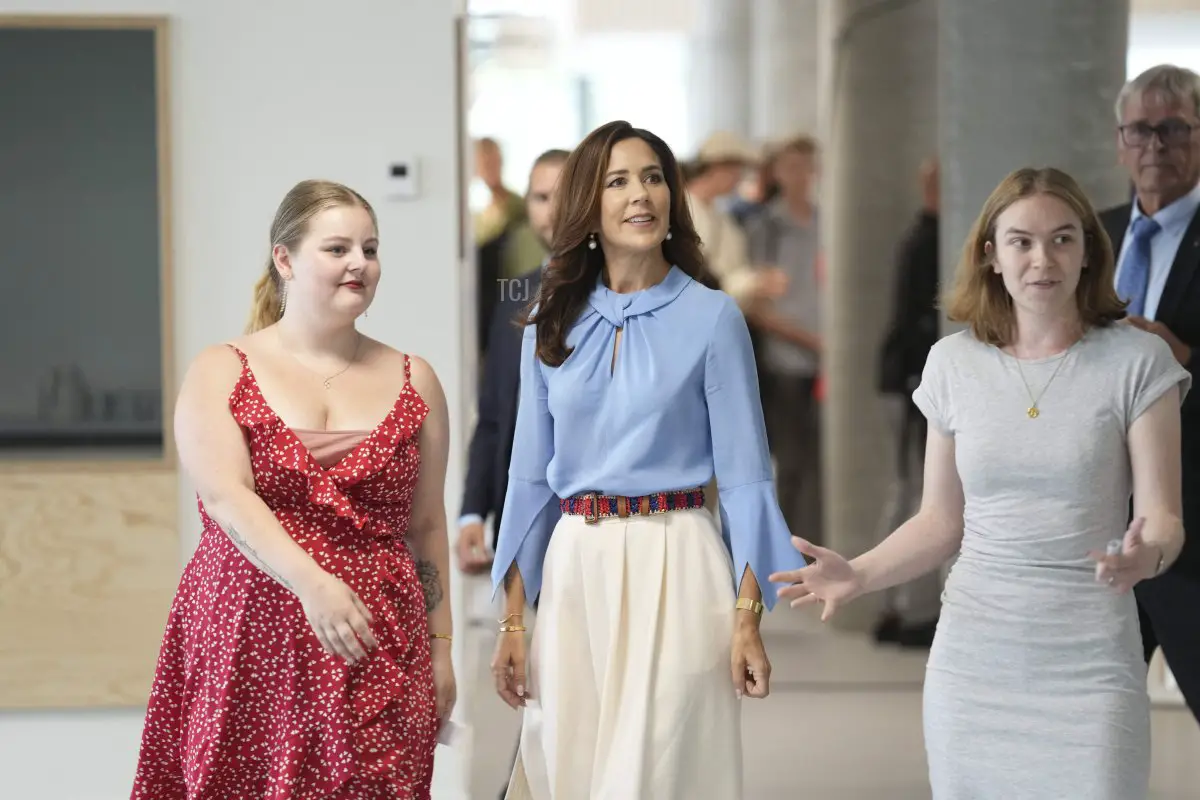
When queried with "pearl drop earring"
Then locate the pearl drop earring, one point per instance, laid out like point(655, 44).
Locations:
point(591, 241)
point(668, 235)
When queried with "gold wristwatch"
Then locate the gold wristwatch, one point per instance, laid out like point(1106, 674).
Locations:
point(746, 604)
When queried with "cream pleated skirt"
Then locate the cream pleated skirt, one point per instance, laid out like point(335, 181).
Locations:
point(631, 692)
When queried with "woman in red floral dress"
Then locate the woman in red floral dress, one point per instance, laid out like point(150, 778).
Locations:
point(307, 653)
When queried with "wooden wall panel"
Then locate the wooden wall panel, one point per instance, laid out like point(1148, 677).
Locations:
point(89, 562)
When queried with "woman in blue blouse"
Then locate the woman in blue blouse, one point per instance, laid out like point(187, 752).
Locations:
point(637, 384)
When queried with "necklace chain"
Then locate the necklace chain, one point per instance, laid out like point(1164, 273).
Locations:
point(1033, 412)
point(327, 381)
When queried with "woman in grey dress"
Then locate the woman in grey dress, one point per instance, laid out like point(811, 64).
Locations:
point(1045, 416)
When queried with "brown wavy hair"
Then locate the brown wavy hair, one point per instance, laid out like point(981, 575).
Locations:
point(572, 271)
point(305, 200)
point(978, 297)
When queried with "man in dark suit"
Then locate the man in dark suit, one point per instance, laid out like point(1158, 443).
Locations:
point(492, 441)
point(1156, 239)
point(911, 611)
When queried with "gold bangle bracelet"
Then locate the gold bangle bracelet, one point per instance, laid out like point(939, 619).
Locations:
point(746, 604)
point(445, 636)
point(510, 616)
point(511, 628)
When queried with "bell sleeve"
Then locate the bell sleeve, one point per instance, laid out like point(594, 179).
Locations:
point(752, 523)
point(530, 507)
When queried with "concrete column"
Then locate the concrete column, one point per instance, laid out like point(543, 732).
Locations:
point(719, 88)
point(1027, 83)
point(784, 67)
point(882, 102)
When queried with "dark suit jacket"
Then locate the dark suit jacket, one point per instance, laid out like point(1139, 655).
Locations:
point(1179, 310)
point(489, 260)
point(492, 442)
point(915, 323)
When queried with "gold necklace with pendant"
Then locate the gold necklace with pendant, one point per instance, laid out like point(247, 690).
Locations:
point(1033, 412)
point(326, 382)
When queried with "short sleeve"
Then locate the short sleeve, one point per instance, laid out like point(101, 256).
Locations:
point(932, 395)
point(1154, 371)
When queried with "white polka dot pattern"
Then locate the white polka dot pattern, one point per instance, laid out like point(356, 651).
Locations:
point(245, 702)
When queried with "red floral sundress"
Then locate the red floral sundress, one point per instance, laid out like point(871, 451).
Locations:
point(246, 705)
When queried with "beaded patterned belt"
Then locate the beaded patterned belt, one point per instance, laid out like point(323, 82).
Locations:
point(594, 507)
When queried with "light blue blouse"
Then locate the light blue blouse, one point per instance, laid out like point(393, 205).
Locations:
point(680, 403)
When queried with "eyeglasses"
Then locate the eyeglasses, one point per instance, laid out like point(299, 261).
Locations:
point(1171, 132)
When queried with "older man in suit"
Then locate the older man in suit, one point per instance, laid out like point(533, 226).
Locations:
point(491, 443)
point(1156, 238)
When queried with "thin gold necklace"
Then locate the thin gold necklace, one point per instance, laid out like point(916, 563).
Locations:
point(1033, 412)
point(326, 382)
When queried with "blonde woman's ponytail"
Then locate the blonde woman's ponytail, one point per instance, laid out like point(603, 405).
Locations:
point(268, 300)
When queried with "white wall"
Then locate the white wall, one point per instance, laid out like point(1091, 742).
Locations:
point(663, 110)
point(628, 16)
point(265, 93)
point(1164, 37)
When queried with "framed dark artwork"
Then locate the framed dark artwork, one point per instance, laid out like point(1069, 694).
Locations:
point(84, 315)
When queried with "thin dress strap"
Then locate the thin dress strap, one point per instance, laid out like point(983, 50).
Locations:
point(245, 382)
point(240, 354)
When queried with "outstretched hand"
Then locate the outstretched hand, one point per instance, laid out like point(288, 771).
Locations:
point(1135, 561)
point(829, 579)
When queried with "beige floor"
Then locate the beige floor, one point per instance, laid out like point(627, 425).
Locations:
point(843, 722)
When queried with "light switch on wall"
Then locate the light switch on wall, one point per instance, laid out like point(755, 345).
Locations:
point(402, 179)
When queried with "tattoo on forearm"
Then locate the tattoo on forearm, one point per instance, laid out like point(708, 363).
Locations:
point(431, 583)
point(240, 542)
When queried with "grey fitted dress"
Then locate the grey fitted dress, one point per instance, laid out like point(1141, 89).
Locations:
point(1035, 687)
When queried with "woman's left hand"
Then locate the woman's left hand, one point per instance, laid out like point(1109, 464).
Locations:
point(444, 686)
point(751, 669)
point(1136, 562)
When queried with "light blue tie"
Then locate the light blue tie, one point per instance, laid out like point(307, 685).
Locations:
point(1135, 271)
